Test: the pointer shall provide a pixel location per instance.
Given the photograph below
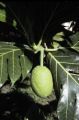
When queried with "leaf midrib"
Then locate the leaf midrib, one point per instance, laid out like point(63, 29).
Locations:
point(2, 55)
point(13, 64)
point(63, 68)
point(57, 62)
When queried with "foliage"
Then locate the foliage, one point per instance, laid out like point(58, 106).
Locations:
point(13, 63)
point(61, 56)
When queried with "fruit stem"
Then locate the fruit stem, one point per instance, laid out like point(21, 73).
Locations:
point(51, 50)
point(41, 56)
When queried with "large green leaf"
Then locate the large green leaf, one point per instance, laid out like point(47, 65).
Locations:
point(64, 65)
point(13, 63)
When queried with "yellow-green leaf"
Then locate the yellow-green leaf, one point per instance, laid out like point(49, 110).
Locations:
point(58, 36)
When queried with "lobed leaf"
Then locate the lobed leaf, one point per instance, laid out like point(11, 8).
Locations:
point(64, 65)
point(11, 63)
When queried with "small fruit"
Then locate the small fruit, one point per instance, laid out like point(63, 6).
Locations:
point(42, 81)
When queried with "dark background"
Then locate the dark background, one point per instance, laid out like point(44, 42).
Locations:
point(35, 15)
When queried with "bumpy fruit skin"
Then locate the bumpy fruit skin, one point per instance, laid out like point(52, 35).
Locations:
point(42, 81)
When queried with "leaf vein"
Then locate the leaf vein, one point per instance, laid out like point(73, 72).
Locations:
point(63, 68)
